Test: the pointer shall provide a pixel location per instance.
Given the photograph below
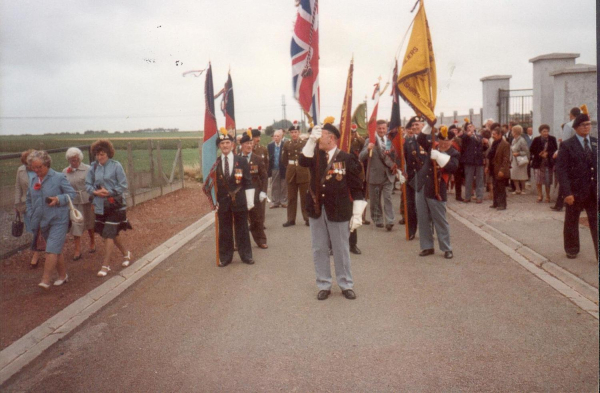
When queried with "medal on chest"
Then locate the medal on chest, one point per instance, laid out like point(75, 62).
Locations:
point(238, 175)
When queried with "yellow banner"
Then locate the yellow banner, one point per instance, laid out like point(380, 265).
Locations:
point(345, 120)
point(417, 81)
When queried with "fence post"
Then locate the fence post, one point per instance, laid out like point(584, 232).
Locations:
point(181, 164)
point(152, 177)
point(471, 115)
point(455, 115)
point(90, 154)
point(131, 173)
point(481, 116)
point(159, 165)
point(442, 118)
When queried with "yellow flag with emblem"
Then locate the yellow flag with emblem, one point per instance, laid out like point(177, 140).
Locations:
point(417, 81)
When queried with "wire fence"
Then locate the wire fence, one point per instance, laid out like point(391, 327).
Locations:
point(152, 171)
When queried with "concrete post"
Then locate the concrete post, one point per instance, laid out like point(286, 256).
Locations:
point(543, 85)
point(491, 85)
point(573, 87)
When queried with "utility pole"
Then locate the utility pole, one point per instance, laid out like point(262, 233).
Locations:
point(283, 109)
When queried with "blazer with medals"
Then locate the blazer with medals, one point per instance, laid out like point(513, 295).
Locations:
point(336, 191)
point(236, 187)
point(576, 176)
point(258, 173)
point(425, 173)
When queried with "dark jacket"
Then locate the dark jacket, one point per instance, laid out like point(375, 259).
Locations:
point(258, 173)
point(576, 176)
point(271, 151)
point(225, 189)
point(471, 150)
point(411, 152)
point(537, 146)
point(336, 192)
point(425, 174)
point(501, 160)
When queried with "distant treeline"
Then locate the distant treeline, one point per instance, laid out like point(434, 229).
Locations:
point(96, 132)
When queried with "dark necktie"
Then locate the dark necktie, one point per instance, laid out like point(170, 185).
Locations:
point(226, 168)
point(588, 151)
point(247, 158)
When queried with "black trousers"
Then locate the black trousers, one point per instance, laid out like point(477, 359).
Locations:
point(353, 238)
point(242, 235)
point(411, 207)
point(499, 192)
point(571, 229)
point(459, 179)
point(560, 199)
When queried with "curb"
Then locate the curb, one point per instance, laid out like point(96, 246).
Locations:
point(20, 353)
point(576, 290)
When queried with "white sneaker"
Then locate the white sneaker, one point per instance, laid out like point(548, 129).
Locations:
point(127, 260)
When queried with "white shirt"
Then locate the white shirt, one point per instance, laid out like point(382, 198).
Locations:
point(568, 130)
point(229, 158)
point(330, 154)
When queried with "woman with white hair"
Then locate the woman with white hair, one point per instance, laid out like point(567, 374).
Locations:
point(518, 168)
point(76, 172)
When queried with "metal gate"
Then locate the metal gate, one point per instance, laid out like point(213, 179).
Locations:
point(516, 107)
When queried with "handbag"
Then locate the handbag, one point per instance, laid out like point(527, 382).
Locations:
point(17, 226)
point(74, 214)
point(522, 160)
point(113, 203)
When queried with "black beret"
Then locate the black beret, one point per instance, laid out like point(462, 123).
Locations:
point(245, 138)
point(255, 133)
point(413, 120)
point(452, 127)
point(581, 118)
point(222, 137)
point(449, 136)
point(331, 128)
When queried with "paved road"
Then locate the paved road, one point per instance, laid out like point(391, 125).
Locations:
point(477, 322)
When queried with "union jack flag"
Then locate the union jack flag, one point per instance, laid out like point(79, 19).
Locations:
point(305, 58)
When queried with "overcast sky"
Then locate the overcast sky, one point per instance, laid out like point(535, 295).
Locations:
point(117, 65)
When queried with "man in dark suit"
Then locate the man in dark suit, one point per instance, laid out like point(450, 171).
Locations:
point(431, 208)
point(413, 164)
point(276, 171)
point(335, 205)
point(258, 172)
point(577, 168)
point(499, 167)
point(235, 197)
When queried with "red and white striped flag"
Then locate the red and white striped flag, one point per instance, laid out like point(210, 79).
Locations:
point(305, 58)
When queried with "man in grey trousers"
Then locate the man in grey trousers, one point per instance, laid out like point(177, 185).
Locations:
point(276, 171)
point(335, 205)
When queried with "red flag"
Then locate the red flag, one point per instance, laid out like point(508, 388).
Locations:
point(345, 120)
point(372, 125)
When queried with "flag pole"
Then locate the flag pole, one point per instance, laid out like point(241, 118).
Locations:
point(436, 186)
point(216, 224)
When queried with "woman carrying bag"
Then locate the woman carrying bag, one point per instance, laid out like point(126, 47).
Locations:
point(519, 160)
point(107, 182)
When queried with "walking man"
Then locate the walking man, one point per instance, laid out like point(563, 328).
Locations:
point(335, 206)
point(235, 197)
point(411, 153)
point(577, 168)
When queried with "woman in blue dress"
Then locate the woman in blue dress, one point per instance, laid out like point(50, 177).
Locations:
point(48, 214)
point(24, 176)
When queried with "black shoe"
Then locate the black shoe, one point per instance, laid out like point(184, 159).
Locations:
point(389, 227)
point(411, 237)
point(223, 264)
point(349, 294)
point(289, 224)
point(459, 199)
point(448, 255)
point(306, 223)
point(322, 295)
point(379, 225)
point(365, 222)
point(556, 208)
point(466, 201)
point(249, 262)
point(355, 250)
point(402, 221)
point(493, 206)
point(424, 253)
point(571, 256)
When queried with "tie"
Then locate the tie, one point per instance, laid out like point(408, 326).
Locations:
point(226, 167)
point(247, 158)
point(588, 151)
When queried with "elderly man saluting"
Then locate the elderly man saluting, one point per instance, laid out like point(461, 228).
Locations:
point(335, 206)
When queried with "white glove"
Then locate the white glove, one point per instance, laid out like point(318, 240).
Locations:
point(426, 130)
point(262, 196)
point(439, 157)
point(401, 178)
point(250, 198)
point(358, 207)
point(315, 133)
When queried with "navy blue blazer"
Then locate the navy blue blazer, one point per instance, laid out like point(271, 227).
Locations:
point(271, 150)
point(425, 174)
point(576, 176)
point(225, 188)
